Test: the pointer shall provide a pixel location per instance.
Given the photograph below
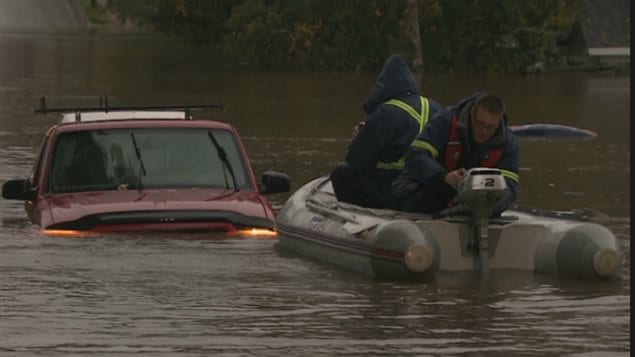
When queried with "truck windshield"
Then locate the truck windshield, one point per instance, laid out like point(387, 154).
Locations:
point(144, 159)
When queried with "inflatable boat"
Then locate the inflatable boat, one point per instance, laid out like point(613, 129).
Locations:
point(388, 243)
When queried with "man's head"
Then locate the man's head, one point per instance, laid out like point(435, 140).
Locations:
point(485, 117)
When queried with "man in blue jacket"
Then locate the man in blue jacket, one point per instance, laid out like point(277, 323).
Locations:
point(376, 155)
point(474, 133)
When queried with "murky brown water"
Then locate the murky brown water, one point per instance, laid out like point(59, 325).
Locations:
point(192, 295)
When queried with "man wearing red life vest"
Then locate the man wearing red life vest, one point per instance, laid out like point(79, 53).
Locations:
point(474, 133)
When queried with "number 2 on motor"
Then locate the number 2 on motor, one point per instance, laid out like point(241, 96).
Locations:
point(489, 182)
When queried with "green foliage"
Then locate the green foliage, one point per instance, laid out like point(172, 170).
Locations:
point(315, 34)
point(493, 35)
point(256, 32)
point(202, 21)
point(94, 13)
point(456, 35)
point(139, 11)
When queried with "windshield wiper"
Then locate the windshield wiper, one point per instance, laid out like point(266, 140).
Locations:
point(141, 166)
point(222, 155)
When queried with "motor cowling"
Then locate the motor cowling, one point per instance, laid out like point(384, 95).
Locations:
point(481, 190)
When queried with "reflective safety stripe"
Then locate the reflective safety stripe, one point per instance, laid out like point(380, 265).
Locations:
point(422, 119)
point(395, 165)
point(426, 146)
point(510, 175)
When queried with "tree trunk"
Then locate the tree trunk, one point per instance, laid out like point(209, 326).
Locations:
point(412, 15)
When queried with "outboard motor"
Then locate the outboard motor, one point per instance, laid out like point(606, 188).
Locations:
point(481, 190)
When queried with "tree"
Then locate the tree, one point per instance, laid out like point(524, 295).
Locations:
point(316, 34)
point(202, 21)
point(441, 35)
point(493, 35)
point(412, 11)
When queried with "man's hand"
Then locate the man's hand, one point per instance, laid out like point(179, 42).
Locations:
point(358, 127)
point(453, 178)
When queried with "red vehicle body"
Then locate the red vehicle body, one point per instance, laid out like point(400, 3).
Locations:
point(147, 174)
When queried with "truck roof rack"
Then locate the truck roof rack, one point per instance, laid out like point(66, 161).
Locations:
point(104, 107)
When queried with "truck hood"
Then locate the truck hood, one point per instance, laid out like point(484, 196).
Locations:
point(184, 208)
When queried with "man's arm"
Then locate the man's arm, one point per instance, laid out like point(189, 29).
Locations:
point(421, 159)
point(364, 149)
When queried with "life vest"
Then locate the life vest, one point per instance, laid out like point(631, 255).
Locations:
point(421, 118)
point(453, 149)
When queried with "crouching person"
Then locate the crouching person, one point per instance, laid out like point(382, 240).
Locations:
point(474, 133)
point(376, 155)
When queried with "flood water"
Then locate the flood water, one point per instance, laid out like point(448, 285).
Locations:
point(200, 295)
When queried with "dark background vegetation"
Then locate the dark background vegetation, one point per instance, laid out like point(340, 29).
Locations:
point(438, 35)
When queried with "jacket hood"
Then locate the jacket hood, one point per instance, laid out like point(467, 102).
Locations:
point(394, 80)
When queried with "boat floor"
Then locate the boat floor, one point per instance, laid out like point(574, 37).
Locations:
point(322, 195)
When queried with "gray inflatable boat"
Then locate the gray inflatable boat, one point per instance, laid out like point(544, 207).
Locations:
point(387, 243)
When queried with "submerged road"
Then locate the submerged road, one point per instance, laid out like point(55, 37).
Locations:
point(40, 15)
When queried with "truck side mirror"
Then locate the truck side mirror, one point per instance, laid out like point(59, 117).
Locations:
point(19, 189)
point(274, 182)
